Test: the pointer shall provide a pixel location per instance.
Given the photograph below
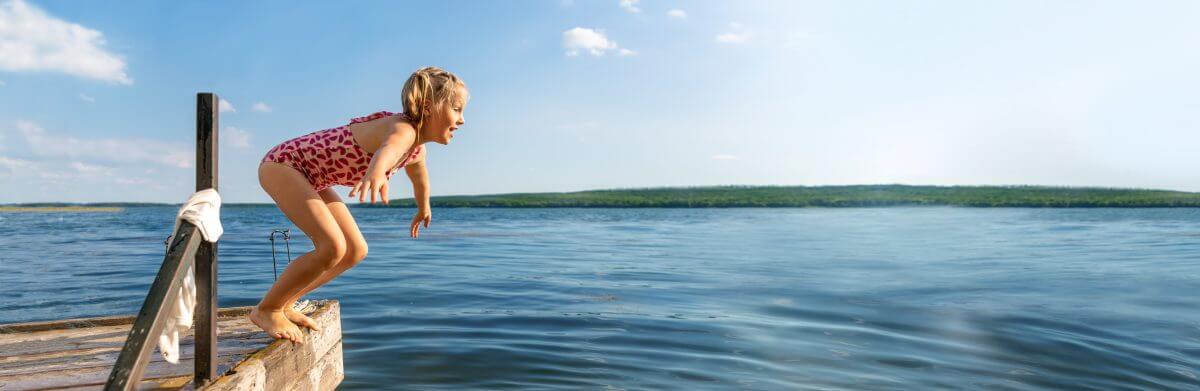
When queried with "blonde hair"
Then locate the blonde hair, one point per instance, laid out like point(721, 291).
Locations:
point(429, 84)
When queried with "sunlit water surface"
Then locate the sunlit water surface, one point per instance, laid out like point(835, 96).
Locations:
point(780, 299)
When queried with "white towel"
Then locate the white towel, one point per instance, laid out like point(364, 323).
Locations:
point(202, 209)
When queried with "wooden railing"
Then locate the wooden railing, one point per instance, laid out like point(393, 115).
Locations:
point(186, 249)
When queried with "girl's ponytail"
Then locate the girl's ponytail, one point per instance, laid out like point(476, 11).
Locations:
point(431, 85)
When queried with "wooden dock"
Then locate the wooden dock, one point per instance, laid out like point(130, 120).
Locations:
point(78, 354)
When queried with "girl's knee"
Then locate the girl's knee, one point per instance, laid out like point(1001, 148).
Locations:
point(356, 252)
point(330, 252)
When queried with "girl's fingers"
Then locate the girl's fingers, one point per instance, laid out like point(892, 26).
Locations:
point(383, 192)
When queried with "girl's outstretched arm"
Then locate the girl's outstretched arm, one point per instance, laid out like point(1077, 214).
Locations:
point(420, 180)
point(375, 182)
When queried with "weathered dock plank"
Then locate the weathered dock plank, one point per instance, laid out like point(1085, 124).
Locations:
point(79, 354)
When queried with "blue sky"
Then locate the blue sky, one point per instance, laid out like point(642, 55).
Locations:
point(97, 99)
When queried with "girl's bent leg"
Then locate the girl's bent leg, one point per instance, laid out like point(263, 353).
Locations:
point(305, 208)
point(356, 250)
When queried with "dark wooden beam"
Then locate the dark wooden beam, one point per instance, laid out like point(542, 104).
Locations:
point(127, 371)
point(207, 110)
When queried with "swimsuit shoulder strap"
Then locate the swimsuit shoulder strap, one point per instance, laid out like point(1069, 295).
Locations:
point(372, 117)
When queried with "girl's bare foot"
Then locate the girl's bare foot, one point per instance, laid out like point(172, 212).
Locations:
point(276, 324)
point(300, 319)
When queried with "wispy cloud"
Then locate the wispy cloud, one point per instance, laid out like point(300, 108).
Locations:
point(677, 13)
point(739, 34)
point(236, 137)
point(631, 6)
point(31, 40)
point(261, 107)
point(84, 168)
point(42, 144)
point(70, 172)
point(724, 157)
point(593, 42)
point(224, 106)
point(13, 164)
point(131, 181)
point(86, 97)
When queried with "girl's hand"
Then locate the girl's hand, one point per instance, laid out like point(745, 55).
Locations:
point(373, 186)
point(422, 215)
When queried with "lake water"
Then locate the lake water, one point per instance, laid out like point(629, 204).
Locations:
point(765, 299)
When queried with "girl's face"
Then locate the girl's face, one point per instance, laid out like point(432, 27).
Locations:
point(444, 119)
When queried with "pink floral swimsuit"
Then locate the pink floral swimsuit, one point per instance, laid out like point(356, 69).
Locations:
point(331, 157)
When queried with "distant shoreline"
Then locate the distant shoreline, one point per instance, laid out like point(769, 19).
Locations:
point(768, 197)
point(47, 209)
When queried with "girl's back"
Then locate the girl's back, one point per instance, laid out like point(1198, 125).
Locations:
point(341, 155)
point(370, 132)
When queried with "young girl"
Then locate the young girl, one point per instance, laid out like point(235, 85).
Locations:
point(364, 154)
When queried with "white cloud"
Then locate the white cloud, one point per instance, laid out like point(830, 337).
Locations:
point(31, 40)
point(62, 173)
point(21, 168)
point(53, 146)
point(261, 107)
point(225, 106)
point(677, 13)
point(84, 168)
point(86, 97)
point(594, 42)
point(237, 138)
point(631, 6)
point(738, 35)
point(13, 164)
point(131, 181)
point(723, 157)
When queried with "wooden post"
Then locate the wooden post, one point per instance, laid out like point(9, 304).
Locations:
point(206, 256)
